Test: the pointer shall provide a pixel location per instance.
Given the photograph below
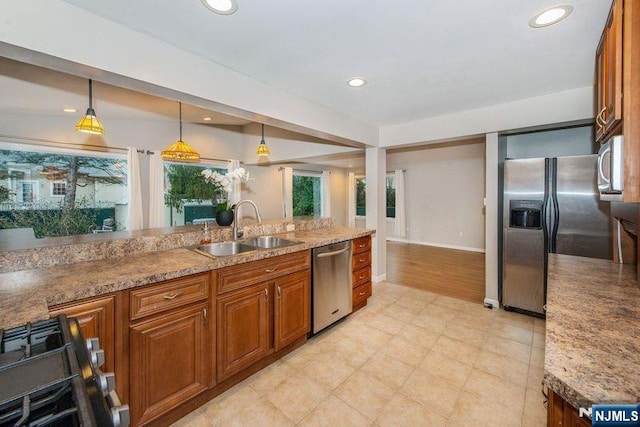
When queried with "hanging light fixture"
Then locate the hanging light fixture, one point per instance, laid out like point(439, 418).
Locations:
point(180, 150)
point(89, 123)
point(262, 150)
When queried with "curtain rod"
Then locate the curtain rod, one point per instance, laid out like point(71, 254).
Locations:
point(302, 170)
point(401, 170)
point(98, 148)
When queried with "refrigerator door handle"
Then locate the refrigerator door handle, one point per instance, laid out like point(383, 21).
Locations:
point(554, 202)
point(545, 206)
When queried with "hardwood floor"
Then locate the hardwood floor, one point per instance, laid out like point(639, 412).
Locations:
point(450, 272)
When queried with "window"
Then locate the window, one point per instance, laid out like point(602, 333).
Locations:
point(58, 188)
point(188, 197)
point(59, 193)
point(361, 187)
point(307, 194)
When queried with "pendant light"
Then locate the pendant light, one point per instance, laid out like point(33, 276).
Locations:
point(262, 150)
point(180, 150)
point(89, 123)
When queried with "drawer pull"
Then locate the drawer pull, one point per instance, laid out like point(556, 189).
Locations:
point(363, 293)
point(266, 292)
point(362, 245)
point(173, 296)
point(363, 259)
point(362, 276)
point(279, 292)
point(270, 270)
point(206, 317)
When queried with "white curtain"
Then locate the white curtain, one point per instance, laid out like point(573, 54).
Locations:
point(135, 218)
point(351, 199)
point(287, 192)
point(401, 215)
point(325, 207)
point(156, 191)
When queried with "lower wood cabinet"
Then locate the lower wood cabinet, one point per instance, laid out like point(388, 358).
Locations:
point(561, 413)
point(169, 361)
point(292, 313)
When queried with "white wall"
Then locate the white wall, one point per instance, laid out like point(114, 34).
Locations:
point(444, 193)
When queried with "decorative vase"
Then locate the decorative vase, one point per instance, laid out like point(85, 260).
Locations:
point(224, 218)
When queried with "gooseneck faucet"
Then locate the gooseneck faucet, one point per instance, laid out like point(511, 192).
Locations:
point(235, 215)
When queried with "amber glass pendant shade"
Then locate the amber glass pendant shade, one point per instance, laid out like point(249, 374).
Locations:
point(180, 150)
point(89, 123)
point(262, 150)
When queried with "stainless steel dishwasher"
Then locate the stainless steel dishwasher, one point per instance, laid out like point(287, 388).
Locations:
point(332, 292)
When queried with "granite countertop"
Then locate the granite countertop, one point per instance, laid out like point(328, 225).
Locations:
point(592, 345)
point(25, 296)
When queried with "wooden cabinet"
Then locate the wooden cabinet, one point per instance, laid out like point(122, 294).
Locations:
point(561, 413)
point(609, 74)
point(292, 308)
point(170, 344)
point(271, 310)
point(361, 271)
point(244, 328)
point(97, 320)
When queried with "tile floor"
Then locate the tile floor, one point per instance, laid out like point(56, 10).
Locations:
point(410, 358)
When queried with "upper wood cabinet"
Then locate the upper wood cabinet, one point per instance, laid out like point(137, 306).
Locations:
point(609, 74)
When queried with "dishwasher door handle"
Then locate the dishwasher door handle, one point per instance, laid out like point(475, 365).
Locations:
point(333, 253)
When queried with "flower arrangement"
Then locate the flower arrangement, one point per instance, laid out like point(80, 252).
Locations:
point(223, 184)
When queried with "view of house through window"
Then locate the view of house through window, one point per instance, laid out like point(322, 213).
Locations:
point(307, 194)
point(189, 199)
point(61, 194)
point(361, 187)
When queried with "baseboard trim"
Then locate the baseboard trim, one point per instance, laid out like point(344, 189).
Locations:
point(494, 303)
point(439, 245)
point(380, 278)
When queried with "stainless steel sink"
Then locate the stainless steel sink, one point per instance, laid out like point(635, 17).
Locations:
point(224, 248)
point(269, 242)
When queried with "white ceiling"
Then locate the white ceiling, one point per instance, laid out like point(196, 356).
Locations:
point(421, 58)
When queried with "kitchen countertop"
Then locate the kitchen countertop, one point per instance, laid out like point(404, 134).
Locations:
point(592, 345)
point(25, 296)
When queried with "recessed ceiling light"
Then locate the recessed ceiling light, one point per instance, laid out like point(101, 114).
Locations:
point(207, 119)
point(356, 82)
point(223, 7)
point(69, 110)
point(550, 16)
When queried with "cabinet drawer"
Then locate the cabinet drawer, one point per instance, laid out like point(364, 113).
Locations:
point(242, 275)
point(361, 244)
point(361, 260)
point(361, 293)
point(167, 295)
point(361, 276)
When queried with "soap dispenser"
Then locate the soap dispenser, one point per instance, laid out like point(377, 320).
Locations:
point(205, 234)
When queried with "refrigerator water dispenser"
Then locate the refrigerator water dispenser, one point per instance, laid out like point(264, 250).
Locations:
point(525, 214)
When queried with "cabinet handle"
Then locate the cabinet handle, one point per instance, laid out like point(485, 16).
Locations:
point(362, 259)
point(266, 292)
point(362, 245)
point(600, 117)
point(363, 293)
point(173, 296)
point(270, 270)
point(206, 317)
point(362, 276)
point(279, 292)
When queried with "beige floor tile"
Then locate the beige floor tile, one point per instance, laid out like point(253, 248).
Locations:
point(474, 321)
point(402, 411)
point(407, 351)
point(430, 322)
point(504, 367)
point(196, 418)
point(516, 319)
point(271, 376)
point(389, 370)
point(539, 325)
point(447, 368)
point(465, 334)
point(415, 301)
point(436, 311)
point(473, 410)
point(230, 403)
point(509, 348)
point(401, 313)
point(496, 389)
point(351, 351)
point(454, 303)
point(372, 337)
point(297, 395)
point(333, 412)
point(456, 349)
point(421, 336)
point(538, 340)
point(303, 354)
point(537, 357)
point(435, 393)
point(535, 414)
point(385, 323)
point(258, 413)
point(365, 394)
point(513, 332)
point(328, 370)
point(535, 377)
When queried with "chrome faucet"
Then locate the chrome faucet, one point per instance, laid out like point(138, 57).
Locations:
point(235, 216)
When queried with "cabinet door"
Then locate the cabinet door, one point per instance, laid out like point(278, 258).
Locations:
point(244, 328)
point(96, 318)
point(292, 318)
point(169, 361)
point(613, 67)
point(600, 87)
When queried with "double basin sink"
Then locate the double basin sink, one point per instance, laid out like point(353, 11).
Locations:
point(235, 247)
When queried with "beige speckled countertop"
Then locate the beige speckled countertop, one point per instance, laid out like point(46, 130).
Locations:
point(592, 346)
point(26, 295)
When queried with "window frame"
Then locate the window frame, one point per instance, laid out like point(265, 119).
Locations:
point(311, 174)
point(52, 186)
point(355, 192)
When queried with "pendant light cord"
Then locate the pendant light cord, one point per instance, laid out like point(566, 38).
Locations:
point(180, 103)
point(91, 94)
point(262, 140)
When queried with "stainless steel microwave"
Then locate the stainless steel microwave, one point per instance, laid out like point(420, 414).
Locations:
point(611, 169)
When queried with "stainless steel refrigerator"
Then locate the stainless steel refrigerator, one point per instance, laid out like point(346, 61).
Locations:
point(551, 205)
